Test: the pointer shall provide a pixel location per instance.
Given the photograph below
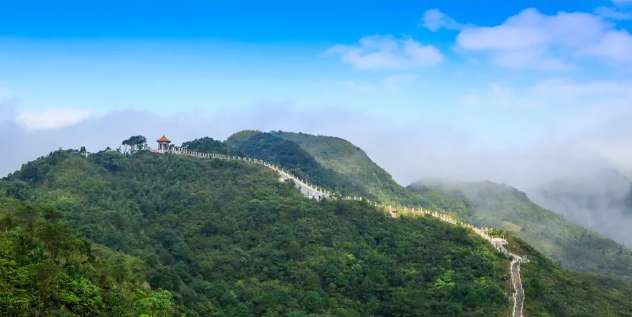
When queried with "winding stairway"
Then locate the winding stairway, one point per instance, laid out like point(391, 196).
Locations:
point(311, 191)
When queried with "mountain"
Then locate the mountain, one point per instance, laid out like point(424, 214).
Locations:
point(483, 204)
point(598, 200)
point(500, 206)
point(227, 238)
point(326, 161)
point(552, 291)
point(46, 269)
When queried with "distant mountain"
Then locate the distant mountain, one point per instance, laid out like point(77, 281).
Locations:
point(501, 206)
point(600, 201)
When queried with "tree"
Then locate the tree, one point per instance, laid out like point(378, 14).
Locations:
point(135, 143)
point(158, 304)
point(114, 161)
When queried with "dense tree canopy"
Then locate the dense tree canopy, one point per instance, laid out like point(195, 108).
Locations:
point(500, 206)
point(482, 204)
point(291, 156)
point(48, 270)
point(227, 238)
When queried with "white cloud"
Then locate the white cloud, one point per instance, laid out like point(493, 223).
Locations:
point(551, 92)
point(614, 46)
point(528, 58)
point(470, 100)
point(565, 88)
point(387, 52)
point(392, 83)
point(50, 119)
point(434, 20)
point(395, 82)
point(8, 105)
point(499, 96)
point(532, 40)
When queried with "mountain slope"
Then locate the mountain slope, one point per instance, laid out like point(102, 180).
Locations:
point(348, 169)
point(292, 157)
point(47, 270)
point(552, 291)
point(483, 204)
point(228, 239)
point(500, 206)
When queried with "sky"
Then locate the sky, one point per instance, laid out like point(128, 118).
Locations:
point(510, 91)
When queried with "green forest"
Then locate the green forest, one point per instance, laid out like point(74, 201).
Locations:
point(500, 206)
point(155, 234)
point(552, 291)
point(481, 203)
point(46, 269)
point(226, 238)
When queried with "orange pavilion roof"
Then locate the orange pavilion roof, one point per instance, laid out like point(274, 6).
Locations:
point(163, 139)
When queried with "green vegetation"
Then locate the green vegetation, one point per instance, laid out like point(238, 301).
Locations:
point(208, 145)
point(236, 139)
point(552, 291)
point(482, 204)
point(328, 162)
point(289, 155)
point(500, 206)
point(47, 270)
point(226, 238)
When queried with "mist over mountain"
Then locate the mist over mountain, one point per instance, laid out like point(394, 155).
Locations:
point(599, 200)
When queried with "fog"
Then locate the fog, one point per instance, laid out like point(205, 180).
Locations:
point(577, 145)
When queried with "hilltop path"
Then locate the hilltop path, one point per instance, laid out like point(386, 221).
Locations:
point(311, 191)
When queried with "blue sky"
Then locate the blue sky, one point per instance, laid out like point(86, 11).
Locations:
point(504, 73)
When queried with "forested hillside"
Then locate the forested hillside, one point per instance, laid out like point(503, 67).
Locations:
point(48, 270)
point(226, 238)
point(553, 291)
point(483, 204)
point(326, 161)
point(291, 156)
point(500, 206)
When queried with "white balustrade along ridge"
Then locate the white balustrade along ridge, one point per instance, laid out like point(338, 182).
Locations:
point(312, 191)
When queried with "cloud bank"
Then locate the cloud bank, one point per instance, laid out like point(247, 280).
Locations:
point(532, 40)
point(422, 149)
